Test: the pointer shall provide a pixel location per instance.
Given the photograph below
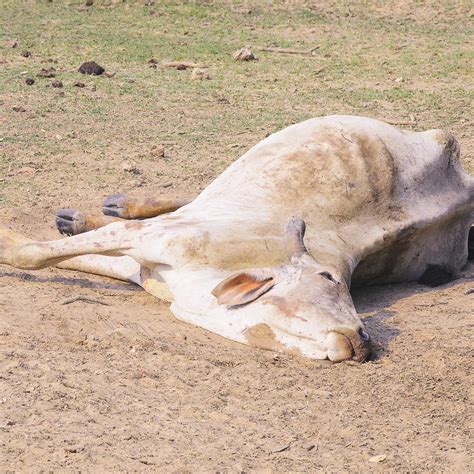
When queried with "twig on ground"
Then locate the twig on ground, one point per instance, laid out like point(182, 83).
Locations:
point(180, 65)
point(85, 300)
point(272, 49)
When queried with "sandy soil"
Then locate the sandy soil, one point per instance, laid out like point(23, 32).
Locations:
point(120, 384)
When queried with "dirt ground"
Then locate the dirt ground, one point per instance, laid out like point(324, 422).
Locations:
point(118, 383)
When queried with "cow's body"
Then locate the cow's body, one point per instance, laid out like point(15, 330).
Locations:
point(380, 205)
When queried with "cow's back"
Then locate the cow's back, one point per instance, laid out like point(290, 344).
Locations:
point(355, 181)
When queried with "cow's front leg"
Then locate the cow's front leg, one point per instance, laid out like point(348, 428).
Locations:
point(73, 222)
point(21, 252)
point(126, 207)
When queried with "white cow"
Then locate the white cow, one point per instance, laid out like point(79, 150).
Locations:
point(379, 205)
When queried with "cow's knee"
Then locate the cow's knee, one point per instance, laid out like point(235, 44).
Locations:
point(12, 248)
point(30, 256)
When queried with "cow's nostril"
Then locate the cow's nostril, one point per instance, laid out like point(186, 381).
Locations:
point(363, 335)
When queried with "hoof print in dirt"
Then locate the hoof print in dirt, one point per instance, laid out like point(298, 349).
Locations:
point(79, 84)
point(70, 221)
point(57, 84)
point(116, 205)
point(91, 67)
point(49, 72)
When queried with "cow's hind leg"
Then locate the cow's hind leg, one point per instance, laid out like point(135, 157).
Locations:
point(126, 207)
point(120, 268)
point(73, 222)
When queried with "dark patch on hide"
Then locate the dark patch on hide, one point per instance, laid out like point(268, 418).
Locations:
point(435, 275)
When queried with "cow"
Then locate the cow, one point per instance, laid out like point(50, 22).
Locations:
point(267, 253)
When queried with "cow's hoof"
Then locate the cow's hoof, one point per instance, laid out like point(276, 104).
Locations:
point(70, 221)
point(116, 205)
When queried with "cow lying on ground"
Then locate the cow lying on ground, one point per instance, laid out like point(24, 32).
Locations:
point(378, 205)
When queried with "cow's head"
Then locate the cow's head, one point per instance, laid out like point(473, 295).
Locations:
point(302, 308)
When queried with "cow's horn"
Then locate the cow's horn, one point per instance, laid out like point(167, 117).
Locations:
point(294, 234)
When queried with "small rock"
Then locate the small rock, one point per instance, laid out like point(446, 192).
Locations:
point(50, 72)
point(244, 54)
point(199, 74)
point(76, 449)
point(323, 394)
point(166, 185)
point(157, 151)
point(57, 84)
point(26, 54)
point(14, 44)
point(91, 67)
point(29, 81)
point(131, 168)
point(379, 458)
point(138, 183)
point(243, 11)
point(19, 109)
point(79, 84)
point(280, 448)
point(223, 100)
point(25, 170)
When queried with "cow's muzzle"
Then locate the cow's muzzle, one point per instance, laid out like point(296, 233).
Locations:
point(344, 344)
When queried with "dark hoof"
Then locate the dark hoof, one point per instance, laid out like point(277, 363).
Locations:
point(70, 221)
point(116, 205)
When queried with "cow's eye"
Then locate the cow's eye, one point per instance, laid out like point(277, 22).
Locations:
point(328, 276)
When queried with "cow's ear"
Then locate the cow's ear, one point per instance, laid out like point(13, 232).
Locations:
point(244, 287)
